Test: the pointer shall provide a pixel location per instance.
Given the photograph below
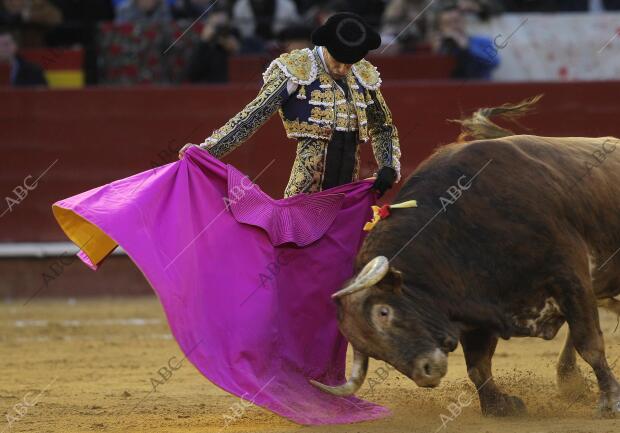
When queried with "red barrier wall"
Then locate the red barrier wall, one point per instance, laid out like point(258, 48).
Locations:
point(93, 136)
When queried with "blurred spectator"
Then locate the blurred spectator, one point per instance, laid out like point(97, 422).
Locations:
point(476, 56)
point(119, 3)
point(143, 11)
point(192, 9)
point(209, 61)
point(21, 72)
point(408, 20)
point(304, 6)
point(261, 20)
point(322, 12)
point(561, 5)
point(295, 38)
point(399, 20)
point(370, 10)
point(483, 9)
point(32, 18)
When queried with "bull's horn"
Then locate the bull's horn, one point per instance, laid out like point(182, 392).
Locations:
point(355, 382)
point(370, 275)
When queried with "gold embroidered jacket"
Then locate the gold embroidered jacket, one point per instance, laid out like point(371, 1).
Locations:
point(312, 106)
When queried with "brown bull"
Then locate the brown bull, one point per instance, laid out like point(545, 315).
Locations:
point(513, 236)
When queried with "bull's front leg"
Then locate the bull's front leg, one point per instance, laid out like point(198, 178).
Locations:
point(478, 347)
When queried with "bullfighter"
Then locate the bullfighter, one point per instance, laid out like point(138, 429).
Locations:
point(329, 100)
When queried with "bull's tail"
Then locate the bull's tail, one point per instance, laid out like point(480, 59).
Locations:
point(479, 125)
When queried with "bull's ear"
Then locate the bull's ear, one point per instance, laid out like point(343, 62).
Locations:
point(393, 280)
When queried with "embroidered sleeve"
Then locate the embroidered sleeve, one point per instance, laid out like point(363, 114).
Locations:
point(383, 133)
point(245, 123)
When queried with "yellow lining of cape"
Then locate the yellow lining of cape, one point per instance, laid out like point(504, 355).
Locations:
point(87, 236)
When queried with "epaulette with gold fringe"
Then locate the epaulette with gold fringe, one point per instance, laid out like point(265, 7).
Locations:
point(298, 65)
point(367, 74)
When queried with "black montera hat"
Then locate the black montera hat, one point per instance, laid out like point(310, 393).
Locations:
point(347, 37)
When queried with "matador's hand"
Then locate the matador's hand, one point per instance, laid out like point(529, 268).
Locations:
point(184, 149)
point(385, 180)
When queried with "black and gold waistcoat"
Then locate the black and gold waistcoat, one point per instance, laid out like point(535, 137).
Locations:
point(315, 108)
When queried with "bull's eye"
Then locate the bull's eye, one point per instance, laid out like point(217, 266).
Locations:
point(382, 315)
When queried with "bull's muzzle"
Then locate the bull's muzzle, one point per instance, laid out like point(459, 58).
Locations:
point(428, 369)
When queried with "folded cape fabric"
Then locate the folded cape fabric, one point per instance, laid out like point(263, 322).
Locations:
point(245, 280)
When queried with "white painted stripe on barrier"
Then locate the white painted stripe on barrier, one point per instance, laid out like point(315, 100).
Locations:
point(42, 249)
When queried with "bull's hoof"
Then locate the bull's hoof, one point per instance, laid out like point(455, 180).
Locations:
point(609, 406)
point(503, 405)
point(571, 384)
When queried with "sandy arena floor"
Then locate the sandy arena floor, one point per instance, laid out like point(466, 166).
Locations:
point(86, 366)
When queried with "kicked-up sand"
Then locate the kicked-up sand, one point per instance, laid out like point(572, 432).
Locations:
point(94, 365)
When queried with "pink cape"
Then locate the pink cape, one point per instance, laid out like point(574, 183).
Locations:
point(245, 280)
